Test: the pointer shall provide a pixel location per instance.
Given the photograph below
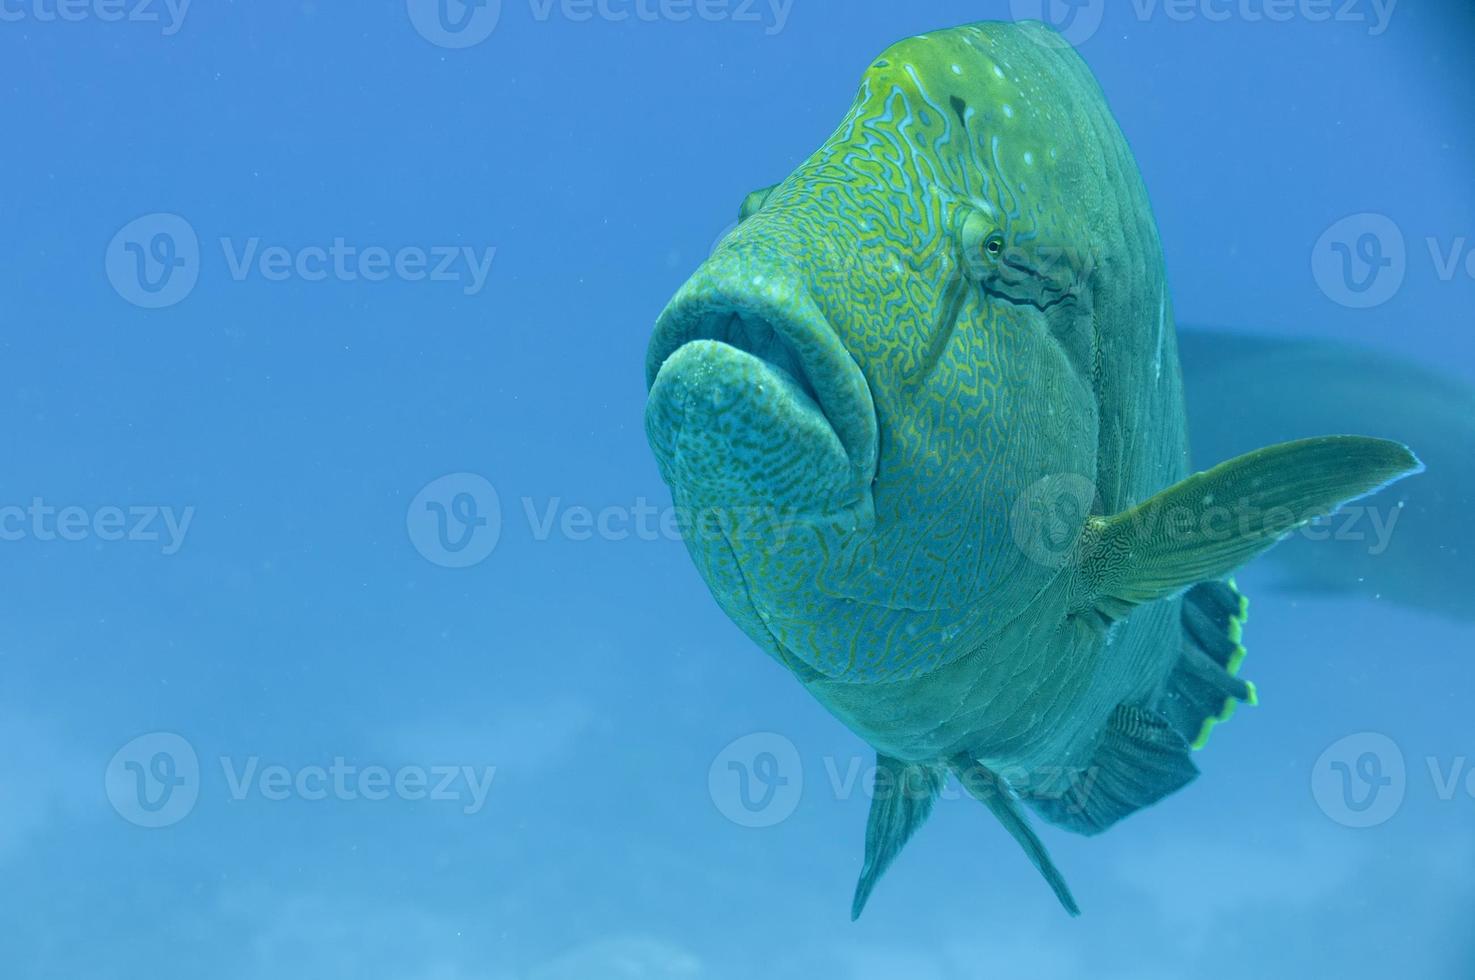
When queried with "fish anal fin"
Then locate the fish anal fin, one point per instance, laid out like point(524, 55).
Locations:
point(1140, 759)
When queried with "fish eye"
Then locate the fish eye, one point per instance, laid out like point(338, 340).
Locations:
point(981, 241)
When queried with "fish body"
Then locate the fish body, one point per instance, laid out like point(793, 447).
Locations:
point(925, 402)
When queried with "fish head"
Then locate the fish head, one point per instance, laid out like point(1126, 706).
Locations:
point(857, 391)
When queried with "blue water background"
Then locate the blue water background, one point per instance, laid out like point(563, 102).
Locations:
point(298, 622)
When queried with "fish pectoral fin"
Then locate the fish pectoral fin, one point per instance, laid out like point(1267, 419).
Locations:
point(1213, 522)
point(901, 800)
point(1141, 759)
point(753, 202)
point(993, 792)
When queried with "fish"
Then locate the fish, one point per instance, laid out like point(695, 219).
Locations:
point(922, 413)
point(1410, 545)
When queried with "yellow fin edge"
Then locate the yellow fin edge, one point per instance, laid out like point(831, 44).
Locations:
point(1236, 660)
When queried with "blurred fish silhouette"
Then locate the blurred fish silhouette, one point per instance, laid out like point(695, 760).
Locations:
point(1413, 543)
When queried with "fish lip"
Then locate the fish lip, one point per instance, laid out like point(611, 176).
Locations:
point(786, 329)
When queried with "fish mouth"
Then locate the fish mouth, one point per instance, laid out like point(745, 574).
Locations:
point(768, 358)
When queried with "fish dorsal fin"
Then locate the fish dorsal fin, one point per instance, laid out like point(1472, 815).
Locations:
point(1213, 522)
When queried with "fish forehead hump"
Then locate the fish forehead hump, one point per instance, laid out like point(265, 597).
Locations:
point(1028, 135)
point(1011, 81)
